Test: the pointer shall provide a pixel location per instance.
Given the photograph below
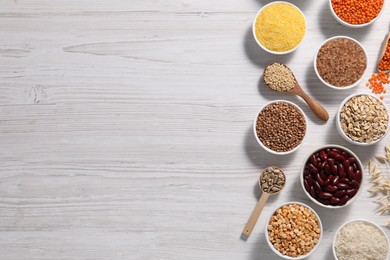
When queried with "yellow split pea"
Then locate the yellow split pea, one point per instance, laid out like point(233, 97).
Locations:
point(280, 27)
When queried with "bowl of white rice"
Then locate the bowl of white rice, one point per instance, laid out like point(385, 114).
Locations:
point(361, 240)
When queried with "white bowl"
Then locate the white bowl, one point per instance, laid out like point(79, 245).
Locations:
point(338, 121)
point(330, 85)
point(358, 220)
point(254, 28)
point(276, 251)
point(341, 21)
point(359, 164)
point(265, 147)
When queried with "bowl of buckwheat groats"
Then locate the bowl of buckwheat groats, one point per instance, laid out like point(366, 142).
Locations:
point(280, 127)
point(293, 231)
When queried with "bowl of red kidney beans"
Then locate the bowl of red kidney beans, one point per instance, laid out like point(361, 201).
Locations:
point(332, 176)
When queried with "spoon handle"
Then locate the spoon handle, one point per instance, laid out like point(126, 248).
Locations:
point(255, 214)
point(320, 112)
point(383, 49)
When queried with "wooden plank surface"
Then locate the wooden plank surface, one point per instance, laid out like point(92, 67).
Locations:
point(126, 128)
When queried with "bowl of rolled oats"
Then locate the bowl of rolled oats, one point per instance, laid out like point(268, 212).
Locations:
point(294, 231)
point(362, 119)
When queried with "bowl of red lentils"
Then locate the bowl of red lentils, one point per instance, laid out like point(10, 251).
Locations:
point(280, 127)
point(357, 13)
point(293, 231)
point(279, 27)
point(341, 62)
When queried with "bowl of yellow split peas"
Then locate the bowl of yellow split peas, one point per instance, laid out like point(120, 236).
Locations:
point(279, 27)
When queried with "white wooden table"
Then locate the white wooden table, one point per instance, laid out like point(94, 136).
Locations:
point(126, 128)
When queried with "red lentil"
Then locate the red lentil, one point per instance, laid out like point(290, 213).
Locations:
point(357, 11)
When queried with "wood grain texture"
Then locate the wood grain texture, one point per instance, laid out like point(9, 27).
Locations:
point(126, 128)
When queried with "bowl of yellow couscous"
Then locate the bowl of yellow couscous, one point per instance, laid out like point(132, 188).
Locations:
point(279, 27)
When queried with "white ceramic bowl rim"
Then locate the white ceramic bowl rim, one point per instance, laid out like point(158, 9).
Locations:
point(330, 85)
point(254, 28)
point(343, 149)
point(276, 251)
point(359, 220)
point(269, 149)
point(338, 121)
point(341, 21)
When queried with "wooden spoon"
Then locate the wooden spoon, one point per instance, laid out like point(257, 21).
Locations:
point(318, 110)
point(259, 207)
point(382, 52)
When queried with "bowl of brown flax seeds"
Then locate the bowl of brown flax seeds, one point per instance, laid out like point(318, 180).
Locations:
point(341, 62)
point(280, 127)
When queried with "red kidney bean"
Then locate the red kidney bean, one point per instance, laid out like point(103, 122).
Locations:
point(307, 186)
point(330, 162)
point(323, 164)
point(334, 201)
point(340, 169)
point(311, 168)
point(346, 164)
point(325, 195)
point(355, 184)
point(319, 179)
point(327, 150)
point(336, 150)
point(335, 180)
point(323, 155)
point(339, 193)
point(345, 154)
point(323, 175)
point(355, 168)
point(345, 180)
point(358, 176)
point(313, 160)
point(350, 173)
point(344, 200)
point(333, 169)
point(342, 186)
point(306, 173)
point(310, 180)
point(331, 188)
point(352, 159)
point(317, 187)
point(328, 180)
point(327, 169)
point(332, 154)
point(312, 192)
point(340, 158)
point(351, 192)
